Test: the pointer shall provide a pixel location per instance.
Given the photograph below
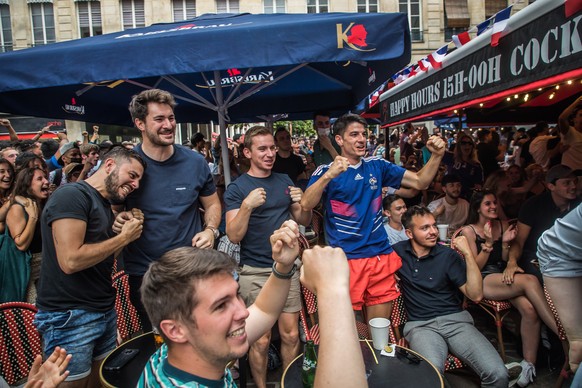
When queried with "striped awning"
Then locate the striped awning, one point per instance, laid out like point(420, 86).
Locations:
point(457, 13)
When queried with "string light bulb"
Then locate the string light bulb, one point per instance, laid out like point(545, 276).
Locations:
point(526, 97)
point(508, 98)
point(515, 96)
point(552, 95)
point(569, 82)
point(557, 87)
point(481, 105)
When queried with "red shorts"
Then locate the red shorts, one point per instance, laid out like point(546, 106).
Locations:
point(372, 280)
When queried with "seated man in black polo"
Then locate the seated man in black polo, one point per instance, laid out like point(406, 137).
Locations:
point(537, 215)
point(433, 279)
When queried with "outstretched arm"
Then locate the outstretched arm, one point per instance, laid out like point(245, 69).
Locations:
point(563, 123)
point(473, 288)
point(13, 135)
point(270, 302)
point(41, 132)
point(422, 179)
point(325, 272)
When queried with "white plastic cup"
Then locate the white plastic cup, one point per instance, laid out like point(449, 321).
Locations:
point(379, 328)
point(443, 231)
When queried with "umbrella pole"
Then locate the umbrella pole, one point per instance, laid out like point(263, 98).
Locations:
point(222, 124)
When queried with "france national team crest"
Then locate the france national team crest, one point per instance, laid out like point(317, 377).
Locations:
point(373, 183)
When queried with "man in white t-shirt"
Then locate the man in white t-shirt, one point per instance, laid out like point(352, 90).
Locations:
point(450, 209)
point(393, 207)
point(572, 135)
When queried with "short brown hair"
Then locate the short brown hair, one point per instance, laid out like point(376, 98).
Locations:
point(341, 124)
point(138, 107)
point(257, 130)
point(416, 210)
point(121, 154)
point(168, 290)
point(86, 148)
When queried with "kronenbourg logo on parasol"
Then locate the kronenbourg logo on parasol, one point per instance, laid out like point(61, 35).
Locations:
point(235, 77)
point(74, 108)
point(354, 36)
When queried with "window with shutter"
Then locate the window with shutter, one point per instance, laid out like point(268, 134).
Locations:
point(317, 6)
point(42, 22)
point(5, 29)
point(184, 9)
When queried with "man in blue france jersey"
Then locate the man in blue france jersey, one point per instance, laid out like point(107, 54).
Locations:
point(351, 189)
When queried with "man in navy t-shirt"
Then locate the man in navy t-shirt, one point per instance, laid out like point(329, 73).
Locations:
point(433, 279)
point(176, 185)
point(257, 204)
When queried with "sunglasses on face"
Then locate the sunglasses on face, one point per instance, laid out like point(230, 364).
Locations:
point(466, 143)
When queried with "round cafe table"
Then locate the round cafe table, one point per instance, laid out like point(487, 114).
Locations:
point(129, 374)
point(395, 371)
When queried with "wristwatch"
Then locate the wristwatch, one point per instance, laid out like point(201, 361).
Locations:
point(284, 275)
point(214, 231)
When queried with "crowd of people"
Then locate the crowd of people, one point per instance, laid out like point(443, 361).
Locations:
point(77, 209)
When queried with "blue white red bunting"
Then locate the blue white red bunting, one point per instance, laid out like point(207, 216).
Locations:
point(483, 26)
point(499, 25)
point(572, 7)
point(437, 57)
point(461, 39)
point(423, 64)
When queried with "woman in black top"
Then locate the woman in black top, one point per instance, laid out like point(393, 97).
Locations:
point(31, 190)
point(490, 239)
point(6, 183)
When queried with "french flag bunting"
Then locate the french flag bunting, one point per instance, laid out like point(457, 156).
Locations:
point(499, 25)
point(572, 7)
point(461, 39)
point(401, 76)
point(436, 58)
point(483, 26)
point(423, 64)
point(412, 69)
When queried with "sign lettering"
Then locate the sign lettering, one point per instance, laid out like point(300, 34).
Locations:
point(546, 46)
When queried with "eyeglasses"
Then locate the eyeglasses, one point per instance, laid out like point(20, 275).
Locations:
point(466, 143)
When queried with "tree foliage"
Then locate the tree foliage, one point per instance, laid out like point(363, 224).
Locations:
point(299, 128)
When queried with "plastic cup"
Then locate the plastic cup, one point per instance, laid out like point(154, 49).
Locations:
point(443, 231)
point(379, 329)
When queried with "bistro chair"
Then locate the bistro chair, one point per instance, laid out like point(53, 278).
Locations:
point(309, 308)
point(19, 339)
point(497, 309)
point(128, 322)
point(565, 372)
point(317, 226)
point(397, 320)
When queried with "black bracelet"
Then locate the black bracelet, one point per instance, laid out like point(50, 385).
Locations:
point(284, 275)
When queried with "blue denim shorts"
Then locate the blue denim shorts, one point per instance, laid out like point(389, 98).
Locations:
point(88, 336)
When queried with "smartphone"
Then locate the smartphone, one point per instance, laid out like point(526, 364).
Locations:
point(119, 360)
